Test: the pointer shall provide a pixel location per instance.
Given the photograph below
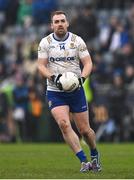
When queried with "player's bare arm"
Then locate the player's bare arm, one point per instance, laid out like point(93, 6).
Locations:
point(42, 67)
point(87, 66)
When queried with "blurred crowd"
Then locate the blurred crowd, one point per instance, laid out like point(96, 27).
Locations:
point(109, 34)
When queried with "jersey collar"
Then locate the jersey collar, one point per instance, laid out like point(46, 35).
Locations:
point(61, 39)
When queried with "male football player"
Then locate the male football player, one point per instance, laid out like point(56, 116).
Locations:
point(62, 51)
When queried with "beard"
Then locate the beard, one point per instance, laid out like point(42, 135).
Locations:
point(61, 32)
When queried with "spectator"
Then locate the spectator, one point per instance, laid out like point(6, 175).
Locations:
point(123, 57)
point(3, 5)
point(129, 74)
point(2, 51)
point(100, 70)
point(130, 22)
point(119, 39)
point(85, 24)
point(4, 133)
point(19, 50)
point(24, 11)
point(106, 33)
point(2, 72)
point(11, 12)
point(20, 114)
point(117, 103)
point(42, 9)
point(35, 114)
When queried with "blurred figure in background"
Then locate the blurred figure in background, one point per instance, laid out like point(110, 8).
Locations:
point(20, 113)
point(24, 11)
point(35, 112)
point(106, 33)
point(41, 10)
point(11, 12)
point(4, 133)
point(129, 74)
point(117, 103)
point(85, 24)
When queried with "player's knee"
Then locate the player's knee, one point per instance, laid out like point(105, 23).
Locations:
point(64, 125)
point(86, 132)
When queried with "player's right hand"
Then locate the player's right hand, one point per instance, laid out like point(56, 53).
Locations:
point(55, 79)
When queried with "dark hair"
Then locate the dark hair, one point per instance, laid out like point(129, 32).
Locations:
point(57, 13)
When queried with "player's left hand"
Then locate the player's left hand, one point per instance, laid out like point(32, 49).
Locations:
point(81, 80)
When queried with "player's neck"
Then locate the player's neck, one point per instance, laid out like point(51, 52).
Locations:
point(61, 38)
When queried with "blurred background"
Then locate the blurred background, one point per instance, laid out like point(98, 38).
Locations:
point(107, 26)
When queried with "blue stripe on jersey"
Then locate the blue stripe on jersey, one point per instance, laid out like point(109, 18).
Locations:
point(75, 100)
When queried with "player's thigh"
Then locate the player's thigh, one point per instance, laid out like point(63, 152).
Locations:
point(61, 114)
point(81, 120)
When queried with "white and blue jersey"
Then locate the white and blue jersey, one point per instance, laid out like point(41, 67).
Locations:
point(62, 56)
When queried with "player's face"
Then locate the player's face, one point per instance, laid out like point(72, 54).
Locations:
point(59, 25)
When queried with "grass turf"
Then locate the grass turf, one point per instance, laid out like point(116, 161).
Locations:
point(56, 161)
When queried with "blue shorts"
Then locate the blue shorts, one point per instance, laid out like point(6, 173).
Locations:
point(75, 100)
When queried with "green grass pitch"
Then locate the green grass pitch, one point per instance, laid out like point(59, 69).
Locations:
point(56, 161)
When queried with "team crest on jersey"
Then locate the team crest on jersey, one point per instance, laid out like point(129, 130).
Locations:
point(49, 103)
point(72, 46)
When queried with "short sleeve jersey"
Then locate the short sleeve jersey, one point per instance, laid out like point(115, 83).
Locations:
point(62, 56)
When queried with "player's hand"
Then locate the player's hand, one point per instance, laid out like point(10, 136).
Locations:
point(55, 79)
point(81, 80)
